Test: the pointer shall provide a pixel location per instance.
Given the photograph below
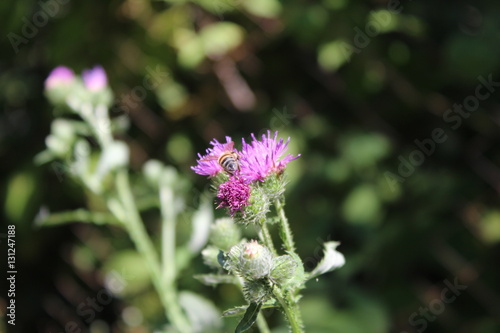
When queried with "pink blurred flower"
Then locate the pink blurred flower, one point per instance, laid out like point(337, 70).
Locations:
point(60, 76)
point(95, 79)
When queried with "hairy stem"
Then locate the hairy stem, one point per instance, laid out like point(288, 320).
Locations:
point(286, 299)
point(291, 308)
point(285, 232)
point(266, 237)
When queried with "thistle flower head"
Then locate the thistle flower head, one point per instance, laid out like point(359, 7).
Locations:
point(234, 194)
point(208, 164)
point(60, 76)
point(259, 159)
point(235, 174)
point(95, 79)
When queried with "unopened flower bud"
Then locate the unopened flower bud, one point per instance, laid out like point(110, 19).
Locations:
point(59, 84)
point(211, 256)
point(96, 84)
point(224, 233)
point(59, 77)
point(95, 79)
point(284, 268)
point(250, 260)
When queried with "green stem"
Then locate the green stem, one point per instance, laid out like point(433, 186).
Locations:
point(168, 259)
point(262, 324)
point(139, 236)
point(82, 215)
point(291, 309)
point(266, 237)
point(285, 232)
point(286, 299)
point(167, 234)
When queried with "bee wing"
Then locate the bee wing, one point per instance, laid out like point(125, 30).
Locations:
point(209, 158)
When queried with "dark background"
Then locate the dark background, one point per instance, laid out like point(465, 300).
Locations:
point(353, 118)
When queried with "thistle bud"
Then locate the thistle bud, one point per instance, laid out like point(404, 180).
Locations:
point(59, 84)
point(95, 79)
point(274, 185)
point(284, 269)
point(249, 260)
point(96, 84)
point(224, 234)
point(257, 208)
point(211, 256)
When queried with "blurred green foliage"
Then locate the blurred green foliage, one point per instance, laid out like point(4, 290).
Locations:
point(186, 72)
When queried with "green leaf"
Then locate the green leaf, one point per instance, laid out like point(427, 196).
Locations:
point(299, 276)
point(214, 279)
point(221, 37)
point(263, 8)
point(79, 215)
point(239, 310)
point(222, 258)
point(236, 311)
point(114, 156)
point(249, 318)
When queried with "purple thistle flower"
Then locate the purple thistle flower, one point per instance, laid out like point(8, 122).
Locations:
point(95, 79)
point(234, 194)
point(208, 164)
point(60, 76)
point(261, 158)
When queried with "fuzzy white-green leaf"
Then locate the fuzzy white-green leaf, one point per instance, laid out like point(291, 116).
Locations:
point(215, 279)
point(331, 260)
point(202, 219)
point(202, 313)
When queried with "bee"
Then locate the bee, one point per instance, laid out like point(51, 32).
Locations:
point(229, 160)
